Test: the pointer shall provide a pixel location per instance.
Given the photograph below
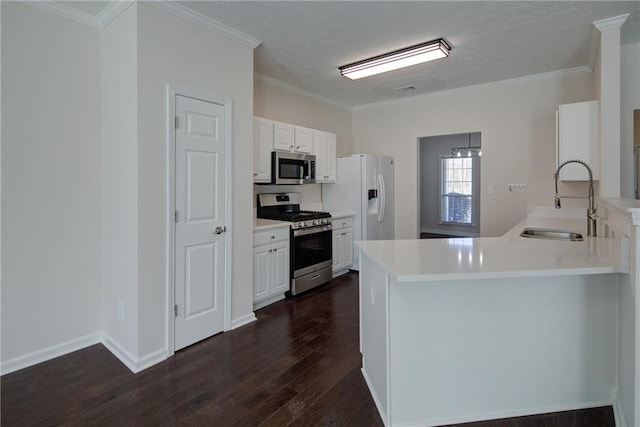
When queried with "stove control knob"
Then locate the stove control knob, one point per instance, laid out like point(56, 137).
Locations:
point(314, 222)
point(300, 224)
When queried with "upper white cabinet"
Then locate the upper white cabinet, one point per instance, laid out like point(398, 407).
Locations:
point(324, 148)
point(303, 140)
point(287, 137)
point(262, 148)
point(283, 136)
point(270, 135)
point(578, 137)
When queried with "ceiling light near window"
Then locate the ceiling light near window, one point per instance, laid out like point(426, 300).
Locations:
point(401, 58)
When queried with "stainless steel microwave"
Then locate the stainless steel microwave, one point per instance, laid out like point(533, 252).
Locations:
point(292, 168)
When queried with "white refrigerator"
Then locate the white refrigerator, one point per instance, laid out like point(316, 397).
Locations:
point(364, 185)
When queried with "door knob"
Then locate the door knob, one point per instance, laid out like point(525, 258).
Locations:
point(220, 229)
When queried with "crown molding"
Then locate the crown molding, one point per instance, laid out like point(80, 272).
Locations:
point(205, 22)
point(105, 16)
point(610, 23)
point(295, 89)
point(518, 80)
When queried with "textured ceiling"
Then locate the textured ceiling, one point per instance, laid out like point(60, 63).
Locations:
point(304, 42)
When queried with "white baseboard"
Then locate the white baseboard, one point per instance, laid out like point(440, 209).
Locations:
point(118, 351)
point(381, 412)
point(244, 320)
point(618, 414)
point(135, 364)
point(49, 353)
point(507, 414)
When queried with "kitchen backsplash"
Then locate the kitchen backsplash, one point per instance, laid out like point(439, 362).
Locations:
point(310, 194)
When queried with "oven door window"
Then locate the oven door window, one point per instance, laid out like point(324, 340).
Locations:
point(312, 249)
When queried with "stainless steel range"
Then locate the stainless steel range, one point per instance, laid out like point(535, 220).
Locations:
point(311, 239)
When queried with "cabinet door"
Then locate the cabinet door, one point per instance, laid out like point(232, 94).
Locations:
point(262, 147)
point(337, 250)
point(347, 247)
point(303, 140)
point(324, 148)
point(283, 136)
point(330, 158)
point(280, 257)
point(261, 271)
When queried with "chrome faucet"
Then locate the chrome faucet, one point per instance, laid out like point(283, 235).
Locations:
point(591, 211)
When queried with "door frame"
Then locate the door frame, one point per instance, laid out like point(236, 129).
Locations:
point(172, 92)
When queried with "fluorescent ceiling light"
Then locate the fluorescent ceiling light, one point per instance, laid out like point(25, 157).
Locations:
point(401, 58)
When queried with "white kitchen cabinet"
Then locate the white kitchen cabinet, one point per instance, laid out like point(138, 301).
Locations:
point(288, 137)
point(262, 148)
point(270, 266)
point(324, 148)
point(303, 140)
point(342, 245)
point(578, 137)
point(283, 136)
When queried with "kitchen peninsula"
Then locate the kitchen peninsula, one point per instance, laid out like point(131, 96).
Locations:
point(456, 330)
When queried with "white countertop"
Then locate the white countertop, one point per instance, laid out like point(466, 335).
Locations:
point(345, 214)
point(494, 257)
point(260, 224)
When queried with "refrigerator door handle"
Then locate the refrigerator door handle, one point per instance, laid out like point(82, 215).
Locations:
point(382, 200)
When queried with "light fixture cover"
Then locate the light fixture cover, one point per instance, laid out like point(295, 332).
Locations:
point(401, 58)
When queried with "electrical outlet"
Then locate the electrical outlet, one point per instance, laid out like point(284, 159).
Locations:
point(516, 186)
point(121, 309)
point(491, 189)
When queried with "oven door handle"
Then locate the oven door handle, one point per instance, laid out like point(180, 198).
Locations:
point(312, 230)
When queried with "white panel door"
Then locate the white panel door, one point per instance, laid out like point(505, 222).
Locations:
point(200, 227)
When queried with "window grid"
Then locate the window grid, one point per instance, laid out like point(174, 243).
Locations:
point(457, 190)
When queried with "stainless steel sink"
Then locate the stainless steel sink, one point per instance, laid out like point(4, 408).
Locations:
point(543, 233)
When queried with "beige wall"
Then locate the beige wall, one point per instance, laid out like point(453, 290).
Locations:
point(119, 159)
point(62, 176)
point(517, 124)
point(173, 51)
point(51, 275)
point(275, 102)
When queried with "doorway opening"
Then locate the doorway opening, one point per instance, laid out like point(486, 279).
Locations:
point(449, 185)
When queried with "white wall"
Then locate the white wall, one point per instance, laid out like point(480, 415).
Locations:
point(173, 51)
point(630, 101)
point(51, 275)
point(119, 51)
point(517, 123)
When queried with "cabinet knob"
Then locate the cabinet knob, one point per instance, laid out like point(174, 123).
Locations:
point(255, 174)
point(270, 250)
point(273, 237)
point(291, 147)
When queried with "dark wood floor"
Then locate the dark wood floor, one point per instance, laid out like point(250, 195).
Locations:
point(297, 365)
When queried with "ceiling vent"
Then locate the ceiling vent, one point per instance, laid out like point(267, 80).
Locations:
point(405, 88)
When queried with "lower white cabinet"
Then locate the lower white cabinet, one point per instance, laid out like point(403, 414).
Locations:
point(270, 266)
point(342, 245)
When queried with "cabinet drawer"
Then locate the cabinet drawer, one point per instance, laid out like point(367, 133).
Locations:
point(272, 235)
point(340, 223)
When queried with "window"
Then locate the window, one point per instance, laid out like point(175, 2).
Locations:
point(456, 195)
